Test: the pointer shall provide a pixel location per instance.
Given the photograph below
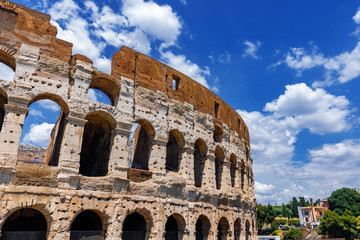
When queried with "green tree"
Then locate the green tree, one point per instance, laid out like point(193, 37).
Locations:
point(302, 202)
point(265, 214)
point(345, 198)
point(294, 207)
point(294, 233)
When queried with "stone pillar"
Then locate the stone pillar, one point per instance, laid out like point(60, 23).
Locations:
point(157, 160)
point(69, 159)
point(209, 180)
point(225, 177)
point(187, 166)
point(11, 133)
point(118, 163)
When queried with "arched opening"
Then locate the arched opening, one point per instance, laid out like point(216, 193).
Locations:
point(233, 168)
point(25, 224)
point(218, 133)
point(247, 230)
point(3, 101)
point(237, 229)
point(223, 229)
point(202, 228)
point(174, 227)
point(7, 64)
point(134, 227)
point(43, 130)
point(174, 149)
point(140, 143)
point(96, 144)
point(104, 90)
point(199, 161)
point(87, 226)
point(219, 162)
point(242, 175)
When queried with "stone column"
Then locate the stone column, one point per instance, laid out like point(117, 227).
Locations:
point(187, 166)
point(11, 133)
point(69, 159)
point(118, 163)
point(157, 160)
point(209, 173)
point(225, 177)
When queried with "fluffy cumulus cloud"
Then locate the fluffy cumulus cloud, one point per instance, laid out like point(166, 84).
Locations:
point(251, 49)
point(48, 104)
point(6, 73)
point(274, 133)
point(39, 134)
point(338, 69)
point(141, 25)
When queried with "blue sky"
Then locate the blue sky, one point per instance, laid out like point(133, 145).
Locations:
point(290, 68)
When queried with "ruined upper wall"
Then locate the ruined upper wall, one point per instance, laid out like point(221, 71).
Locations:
point(19, 24)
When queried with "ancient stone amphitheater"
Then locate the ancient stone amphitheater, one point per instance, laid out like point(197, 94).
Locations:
point(184, 173)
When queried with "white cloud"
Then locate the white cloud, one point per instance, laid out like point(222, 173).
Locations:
point(251, 49)
point(262, 188)
point(6, 73)
point(48, 104)
point(64, 9)
point(274, 133)
point(39, 134)
point(356, 17)
point(36, 113)
point(180, 63)
point(225, 57)
point(92, 95)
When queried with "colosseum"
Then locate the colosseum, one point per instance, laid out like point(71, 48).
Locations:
point(166, 159)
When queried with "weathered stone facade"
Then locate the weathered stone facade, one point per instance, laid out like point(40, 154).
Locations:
point(189, 173)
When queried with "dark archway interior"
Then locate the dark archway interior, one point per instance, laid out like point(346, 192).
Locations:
point(172, 154)
point(96, 146)
point(2, 110)
point(171, 228)
point(134, 227)
point(223, 228)
point(87, 226)
point(202, 228)
point(232, 170)
point(218, 134)
point(242, 175)
point(237, 229)
point(219, 158)
point(199, 162)
point(25, 224)
point(142, 149)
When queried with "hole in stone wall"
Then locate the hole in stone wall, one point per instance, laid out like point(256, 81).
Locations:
point(175, 83)
point(223, 228)
point(99, 96)
point(247, 230)
point(199, 161)
point(216, 109)
point(25, 223)
point(237, 229)
point(202, 228)
point(218, 133)
point(43, 132)
point(232, 169)
point(134, 227)
point(3, 101)
point(96, 145)
point(219, 160)
point(174, 151)
point(87, 225)
point(6, 72)
point(140, 146)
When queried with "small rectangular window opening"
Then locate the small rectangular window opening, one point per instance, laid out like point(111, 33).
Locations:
point(239, 124)
point(216, 108)
point(36, 160)
point(175, 82)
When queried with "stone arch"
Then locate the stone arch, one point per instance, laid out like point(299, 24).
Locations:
point(202, 228)
point(199, 161)
point(97, 142)
point(218, 133)
point(88, 223)
point(24, 224)
point(219, 163)
point(174, 150)
point(7, 56)
point(237, 229)
point(143, 139)
point(247, 229)
point(223, 229)
point(53, 97)
point(233, 168)
point(3, 102)
point(108, 85)
point(135, 227)
point(175, 227)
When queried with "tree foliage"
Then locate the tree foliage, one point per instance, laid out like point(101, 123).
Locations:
point(294, 233)
point(345, 198)
point(265, 214)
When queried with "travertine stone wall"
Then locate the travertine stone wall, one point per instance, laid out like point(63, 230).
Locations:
point(140, 90)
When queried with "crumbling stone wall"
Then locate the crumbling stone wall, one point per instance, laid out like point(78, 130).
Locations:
point(91, 180)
